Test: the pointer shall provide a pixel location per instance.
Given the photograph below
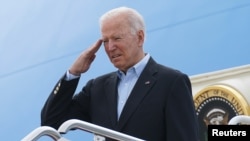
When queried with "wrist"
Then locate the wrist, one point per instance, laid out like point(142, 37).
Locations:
point(74, 73)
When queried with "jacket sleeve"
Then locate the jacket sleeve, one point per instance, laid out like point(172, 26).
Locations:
point(57, 107)
point(184, 122)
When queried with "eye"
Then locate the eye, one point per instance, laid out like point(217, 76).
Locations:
point(105, 42)
point(117, 38)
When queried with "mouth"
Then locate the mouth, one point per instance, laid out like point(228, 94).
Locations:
point(115, 56)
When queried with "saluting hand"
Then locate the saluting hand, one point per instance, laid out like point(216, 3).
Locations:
point(83, 62)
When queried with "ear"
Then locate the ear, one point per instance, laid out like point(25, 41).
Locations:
point(140, 35)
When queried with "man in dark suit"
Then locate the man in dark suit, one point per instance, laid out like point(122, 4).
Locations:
point(142, 98)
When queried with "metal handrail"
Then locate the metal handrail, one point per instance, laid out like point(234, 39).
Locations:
point(95, 129)
point(239, 119)
point(42, 131)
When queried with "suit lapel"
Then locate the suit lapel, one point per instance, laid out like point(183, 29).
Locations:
point(111, 97)
point(140, 90)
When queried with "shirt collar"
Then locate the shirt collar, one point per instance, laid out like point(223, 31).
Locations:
point(137, 68)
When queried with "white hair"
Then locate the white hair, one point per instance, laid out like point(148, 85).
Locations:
point(134, 18)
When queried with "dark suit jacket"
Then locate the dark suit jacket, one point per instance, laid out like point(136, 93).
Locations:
point(159, 108)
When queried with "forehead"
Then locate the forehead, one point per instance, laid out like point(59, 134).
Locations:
point(114, 28)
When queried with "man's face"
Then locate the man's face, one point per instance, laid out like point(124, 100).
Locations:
point(122, 47)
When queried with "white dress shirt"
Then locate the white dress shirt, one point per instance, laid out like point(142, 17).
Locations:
point(127, 82)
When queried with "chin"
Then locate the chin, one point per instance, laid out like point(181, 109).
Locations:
point(118, 66)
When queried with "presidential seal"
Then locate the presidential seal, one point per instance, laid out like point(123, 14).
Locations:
point(216, 105)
